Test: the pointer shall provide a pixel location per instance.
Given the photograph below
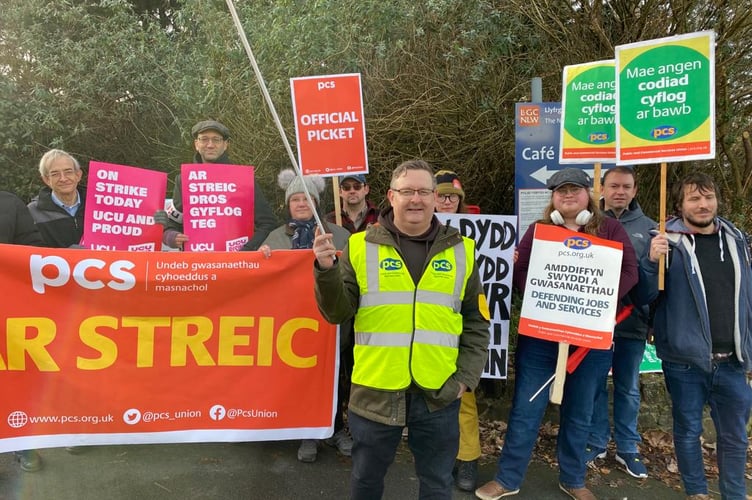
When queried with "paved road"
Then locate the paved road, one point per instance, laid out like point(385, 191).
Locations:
point(252, 471)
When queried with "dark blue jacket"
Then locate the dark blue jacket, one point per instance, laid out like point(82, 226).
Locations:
point(682, 325)
point(638, 227)
point(59, 229)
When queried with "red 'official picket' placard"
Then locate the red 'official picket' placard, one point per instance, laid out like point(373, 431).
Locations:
point(329, 124)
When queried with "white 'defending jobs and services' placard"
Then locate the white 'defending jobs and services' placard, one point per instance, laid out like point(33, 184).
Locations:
point(572, 288)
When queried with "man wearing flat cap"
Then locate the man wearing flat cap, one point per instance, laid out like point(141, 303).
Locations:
point(358, 212)
point(211, 140)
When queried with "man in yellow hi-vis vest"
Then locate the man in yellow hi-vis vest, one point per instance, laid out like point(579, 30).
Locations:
point(421, 333)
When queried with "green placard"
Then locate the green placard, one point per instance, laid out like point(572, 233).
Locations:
point(591, 104)
point(650, 362)
point(665, 99)
point(666, 90)
point(588, 127)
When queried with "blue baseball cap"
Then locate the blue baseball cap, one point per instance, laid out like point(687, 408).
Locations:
point(358, 177)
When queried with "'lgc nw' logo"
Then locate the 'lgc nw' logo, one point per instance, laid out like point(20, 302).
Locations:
point(391, 264)
point(442, 265)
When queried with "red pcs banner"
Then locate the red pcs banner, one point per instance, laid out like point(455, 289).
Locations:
point(102, 347)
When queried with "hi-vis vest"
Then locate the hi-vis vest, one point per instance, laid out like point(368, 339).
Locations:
point(404, 332)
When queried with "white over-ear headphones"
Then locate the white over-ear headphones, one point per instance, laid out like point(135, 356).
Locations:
point(582, 218)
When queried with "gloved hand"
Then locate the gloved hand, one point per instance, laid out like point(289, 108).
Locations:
point(160, 217)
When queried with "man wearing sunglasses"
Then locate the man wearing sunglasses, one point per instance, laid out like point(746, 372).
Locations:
point(357, 212)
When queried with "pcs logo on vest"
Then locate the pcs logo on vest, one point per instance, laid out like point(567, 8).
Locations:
point(442, 265)
point(390, 265)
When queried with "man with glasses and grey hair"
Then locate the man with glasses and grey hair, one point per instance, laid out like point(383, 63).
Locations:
point(58, 210)
point(211, 140)
point(58, 213)
point(358, 212)
point(412, 287)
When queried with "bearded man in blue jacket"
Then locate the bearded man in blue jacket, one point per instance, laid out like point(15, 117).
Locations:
point(703, 323)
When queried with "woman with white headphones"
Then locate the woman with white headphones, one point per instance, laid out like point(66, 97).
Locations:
point(572, 207)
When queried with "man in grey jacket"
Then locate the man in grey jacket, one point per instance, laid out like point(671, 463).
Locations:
point(421, 333)
point(619, 191)
point(703, 333)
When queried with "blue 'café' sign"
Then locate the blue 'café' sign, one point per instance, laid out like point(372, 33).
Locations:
point(536, 144)
point(536, 158)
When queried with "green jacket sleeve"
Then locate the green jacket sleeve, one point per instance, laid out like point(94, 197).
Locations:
point(337, 291)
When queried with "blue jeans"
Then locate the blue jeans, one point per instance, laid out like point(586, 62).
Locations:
point(626, 379)
point(726, 390)
point(535, 362)
point(433, 440)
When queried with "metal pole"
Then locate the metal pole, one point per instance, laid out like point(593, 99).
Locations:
point(268, 99)
point(536, 89)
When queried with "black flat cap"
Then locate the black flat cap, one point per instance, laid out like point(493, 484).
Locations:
point(210, 125)
point(568, 176)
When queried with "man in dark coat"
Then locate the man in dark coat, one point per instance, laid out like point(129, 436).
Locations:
point(211, 140)
point(16, 225)
point(17, 228)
